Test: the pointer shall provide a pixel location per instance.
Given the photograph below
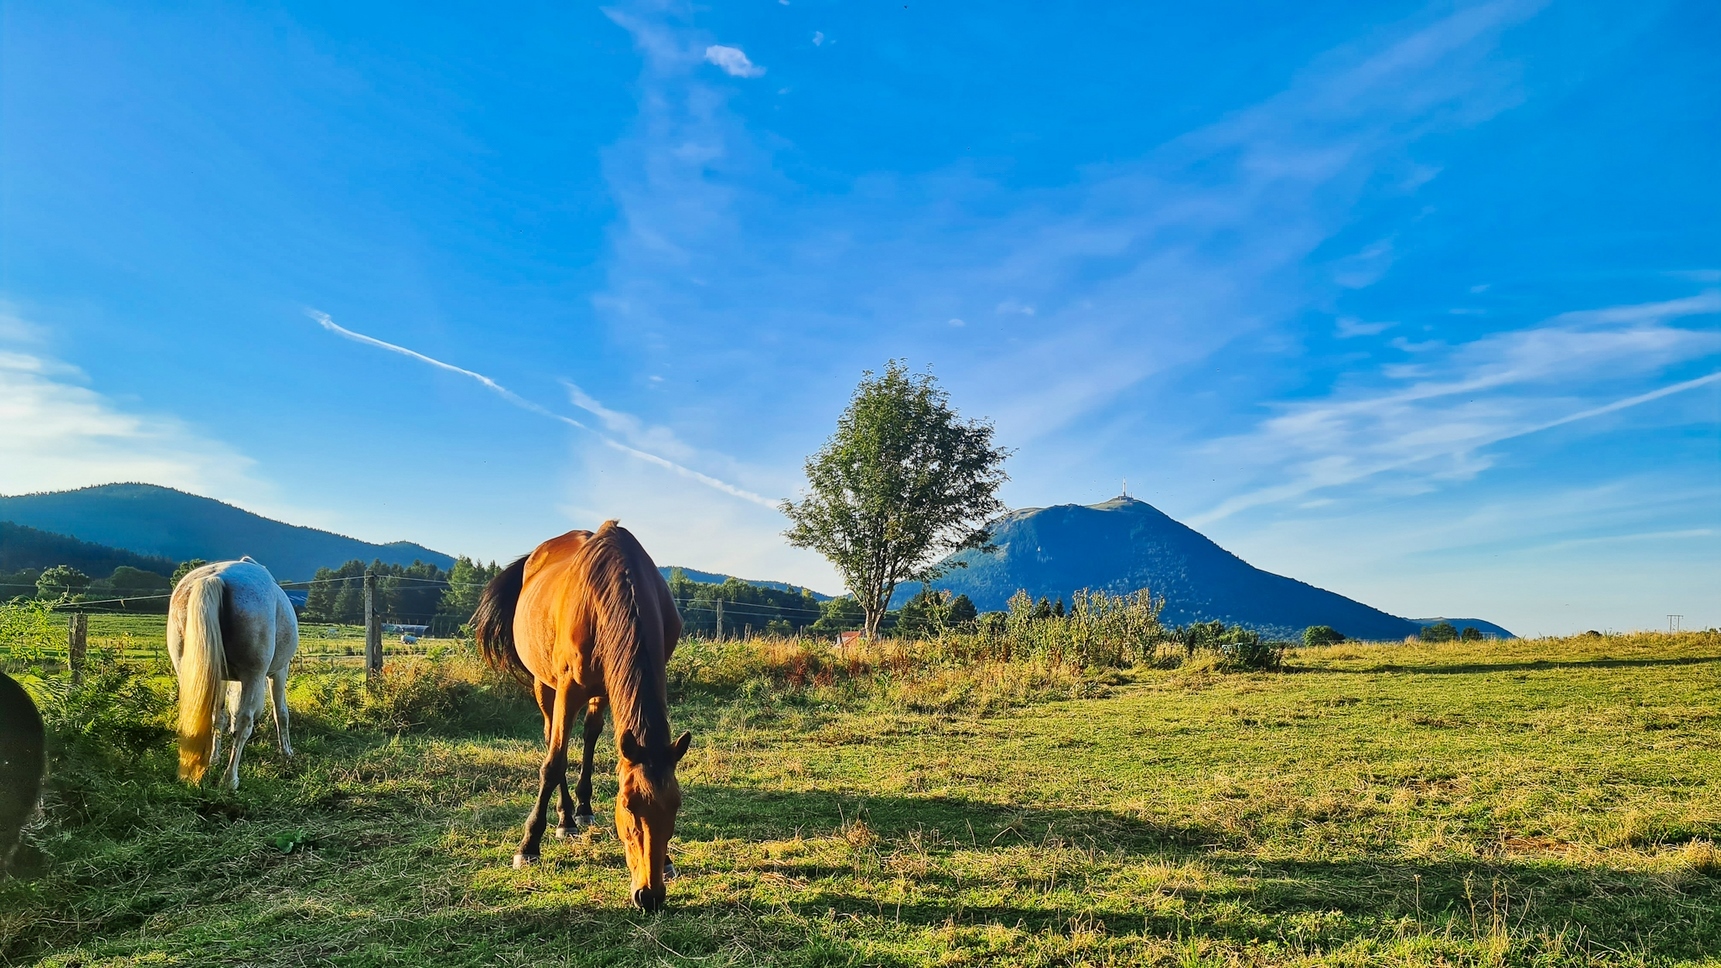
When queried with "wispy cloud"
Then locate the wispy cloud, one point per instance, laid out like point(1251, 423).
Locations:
point(1131, 269)
point(1507, 554)
point(733, 61)
point(609, 416)
point(1347, 327)
point(1436, 418)
point(58, 432)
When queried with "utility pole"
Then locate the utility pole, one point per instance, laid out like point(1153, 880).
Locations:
point(1674, 621)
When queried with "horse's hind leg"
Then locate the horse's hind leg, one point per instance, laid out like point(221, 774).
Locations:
point(226, 700)
point(244, 722)
point(582, 814)
point(278, 691)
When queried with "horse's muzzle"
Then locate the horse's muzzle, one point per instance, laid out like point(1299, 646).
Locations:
point(648, 899)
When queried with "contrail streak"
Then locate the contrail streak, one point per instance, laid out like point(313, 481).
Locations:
point(324, 321)
point(1665, 391)
point(1284, 492)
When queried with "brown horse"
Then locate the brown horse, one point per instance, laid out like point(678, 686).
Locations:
point(591, 621)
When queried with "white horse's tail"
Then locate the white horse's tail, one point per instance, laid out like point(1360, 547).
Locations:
point(202, 667)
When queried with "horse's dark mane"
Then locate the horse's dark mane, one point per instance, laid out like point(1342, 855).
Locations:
point(629, 644)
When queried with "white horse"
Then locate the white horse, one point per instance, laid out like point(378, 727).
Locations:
point(229, 627)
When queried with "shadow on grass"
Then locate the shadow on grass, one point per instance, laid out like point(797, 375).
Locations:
point(1247, 898)
point(1482, 668)
point(382, 886)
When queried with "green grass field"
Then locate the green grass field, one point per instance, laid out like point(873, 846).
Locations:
point(1546, 802)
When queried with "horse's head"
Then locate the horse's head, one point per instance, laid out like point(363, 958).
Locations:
point(647, 799)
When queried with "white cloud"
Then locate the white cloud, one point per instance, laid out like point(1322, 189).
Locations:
point(1347, 327)
point(733, 61)
point(818, 38)
point(57, 432)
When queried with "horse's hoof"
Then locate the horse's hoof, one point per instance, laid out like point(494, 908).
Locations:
point(669, 872)
point(567, 832)
point(523, 861)
point(583, 820)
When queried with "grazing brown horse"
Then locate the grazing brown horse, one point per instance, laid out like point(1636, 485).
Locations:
point(591, 621)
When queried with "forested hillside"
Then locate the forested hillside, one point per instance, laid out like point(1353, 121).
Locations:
point(162, 522)
point(25, 548)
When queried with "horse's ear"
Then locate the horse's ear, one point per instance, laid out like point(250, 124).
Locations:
point(630, 748)
point(681, 744)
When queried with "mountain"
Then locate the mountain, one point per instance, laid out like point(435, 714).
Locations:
point(716, 578)
point(1124, 544)
point(160, 521)
point(22, 547)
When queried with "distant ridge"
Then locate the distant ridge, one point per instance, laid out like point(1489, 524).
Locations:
point(1124, 544)
point(716, 578)
point(159, 521)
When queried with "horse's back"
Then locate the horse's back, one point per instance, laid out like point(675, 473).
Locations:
point(555, 555)
point(567, 585)
point(259, 630)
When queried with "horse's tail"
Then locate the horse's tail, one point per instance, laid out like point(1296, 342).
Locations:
point(493, 621)
point(202, 667)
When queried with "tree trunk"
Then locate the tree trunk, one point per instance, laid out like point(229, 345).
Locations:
point(874, 607)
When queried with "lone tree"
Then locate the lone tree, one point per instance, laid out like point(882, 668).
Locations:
point(903, 482)
point(61, 581)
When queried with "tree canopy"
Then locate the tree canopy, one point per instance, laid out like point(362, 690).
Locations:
point(903, 482)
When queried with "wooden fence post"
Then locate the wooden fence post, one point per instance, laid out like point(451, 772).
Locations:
point(77, 641)
point(373, 630)
point(720, 620)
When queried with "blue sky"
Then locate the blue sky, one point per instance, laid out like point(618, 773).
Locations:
point(1418, 303)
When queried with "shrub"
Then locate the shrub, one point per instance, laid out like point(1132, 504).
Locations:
point(28, 635)
point(1236, 646)
point(942, 675)
point(1470, 634)
point(1322, 635)
point(1098, 630)
point(1438, 632)
point(114, 711)
point(456, 693)
point(1254, 653)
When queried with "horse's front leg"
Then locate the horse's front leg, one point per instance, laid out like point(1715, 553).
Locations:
point(554, 772)
point(577, 816)
point(546, 696)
